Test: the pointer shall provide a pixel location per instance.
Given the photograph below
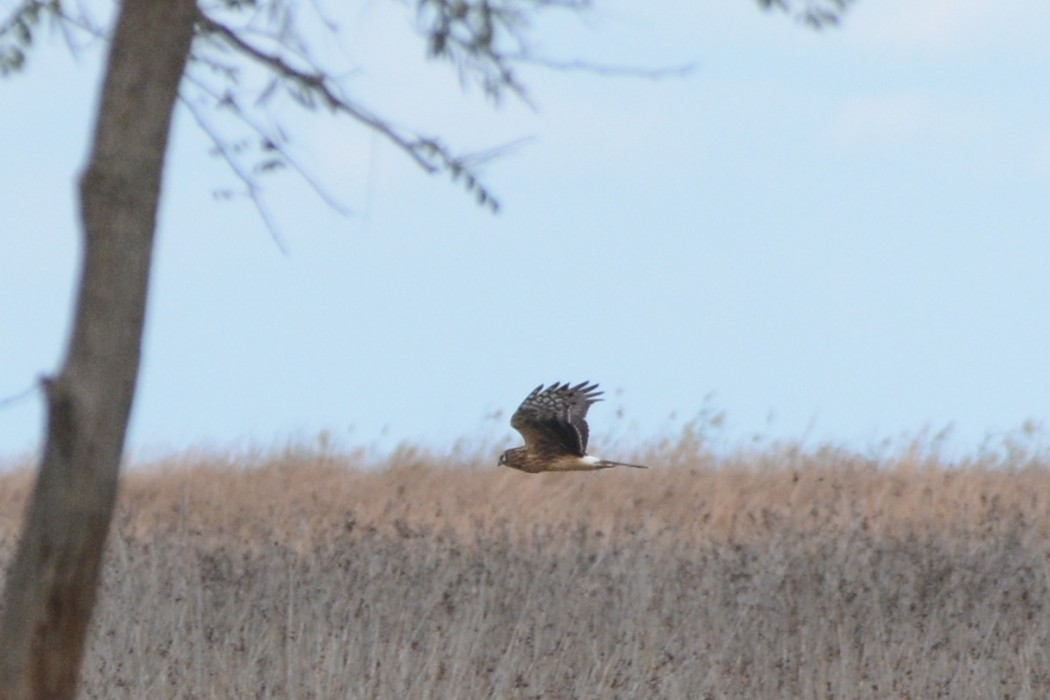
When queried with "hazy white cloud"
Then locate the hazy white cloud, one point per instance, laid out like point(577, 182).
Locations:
point(936, 23)
point(881, 118)
point(940, 25)
point(906, 117)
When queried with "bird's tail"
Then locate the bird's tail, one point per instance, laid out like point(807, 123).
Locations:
point(608, 464)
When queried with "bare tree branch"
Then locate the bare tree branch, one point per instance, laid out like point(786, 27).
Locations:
point(314, 83)
point(319, 84)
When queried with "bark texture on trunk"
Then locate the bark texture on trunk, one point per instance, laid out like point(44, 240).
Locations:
point(51, 585)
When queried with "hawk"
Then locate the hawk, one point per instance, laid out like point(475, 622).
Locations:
point(553, 423)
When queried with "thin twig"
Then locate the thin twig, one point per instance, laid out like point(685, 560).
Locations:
point(602, 69)
point(275, 142)
point(480, 157)
point(12, 400)
point(250, 183)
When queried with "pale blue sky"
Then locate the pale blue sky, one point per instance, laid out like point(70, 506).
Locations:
point(838, 236)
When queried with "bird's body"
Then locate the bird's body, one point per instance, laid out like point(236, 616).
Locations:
point(553, 422)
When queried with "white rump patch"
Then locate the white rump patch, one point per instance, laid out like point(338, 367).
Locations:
point(588, 459)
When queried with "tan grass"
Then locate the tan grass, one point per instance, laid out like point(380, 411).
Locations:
point(771, 573)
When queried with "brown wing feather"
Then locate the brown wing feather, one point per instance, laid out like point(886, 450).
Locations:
point(553, 420)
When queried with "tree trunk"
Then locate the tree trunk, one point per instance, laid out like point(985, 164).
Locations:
point(51, 585)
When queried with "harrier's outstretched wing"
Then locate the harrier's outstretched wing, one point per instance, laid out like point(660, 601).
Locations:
point(553, 420)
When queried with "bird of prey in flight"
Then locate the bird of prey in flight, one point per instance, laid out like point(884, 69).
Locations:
point(553, 423)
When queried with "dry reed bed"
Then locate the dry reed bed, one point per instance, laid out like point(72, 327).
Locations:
point(297, 498)
point(765, 575)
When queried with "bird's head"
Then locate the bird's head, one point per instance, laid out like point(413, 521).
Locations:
point(514, 457)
